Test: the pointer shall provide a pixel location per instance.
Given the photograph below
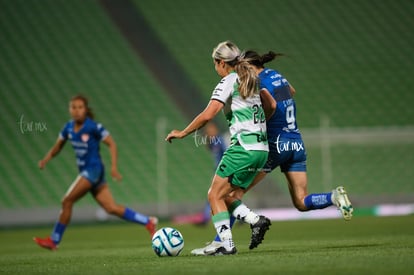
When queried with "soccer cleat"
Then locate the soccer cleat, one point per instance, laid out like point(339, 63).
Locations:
point(219, 251)
point(258, 231)
point(341, 200)
point(207, 250)
point(222, 251)
point(151, 226)
point(46, 243)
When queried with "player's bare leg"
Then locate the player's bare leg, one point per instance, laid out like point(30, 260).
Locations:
point(298, 188)
point(297, 182)
point(104, 197)
point(76, 191)
point(219, 190)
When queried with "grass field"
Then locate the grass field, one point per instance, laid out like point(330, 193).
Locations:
point(362, 246)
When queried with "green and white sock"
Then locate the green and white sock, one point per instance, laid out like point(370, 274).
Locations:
point(222, 224)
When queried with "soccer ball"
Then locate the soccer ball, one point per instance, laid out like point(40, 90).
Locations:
point(167, 241)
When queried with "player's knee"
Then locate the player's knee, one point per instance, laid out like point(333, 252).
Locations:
point(239, 193)
point(212, 196)
point(67, 202)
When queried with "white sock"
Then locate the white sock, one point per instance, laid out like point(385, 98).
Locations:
point(222, 226)
point(224, 231)
point(242, 212)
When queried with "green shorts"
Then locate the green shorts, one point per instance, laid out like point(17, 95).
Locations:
point(241, 165)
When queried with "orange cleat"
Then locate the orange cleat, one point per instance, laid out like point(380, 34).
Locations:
point(151, 226)
point(46, 243)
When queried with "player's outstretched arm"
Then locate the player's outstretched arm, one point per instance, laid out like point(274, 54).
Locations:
point(114, 157)
point(213, 107)
point(52, 152)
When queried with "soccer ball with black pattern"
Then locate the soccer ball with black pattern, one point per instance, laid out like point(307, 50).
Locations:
point(167, 241)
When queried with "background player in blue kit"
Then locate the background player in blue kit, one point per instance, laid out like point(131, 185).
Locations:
point(286, 148)
point(85, 135)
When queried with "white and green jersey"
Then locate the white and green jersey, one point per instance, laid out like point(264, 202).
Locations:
point(246, 117)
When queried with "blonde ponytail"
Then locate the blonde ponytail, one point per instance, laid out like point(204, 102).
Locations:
point(248, 80)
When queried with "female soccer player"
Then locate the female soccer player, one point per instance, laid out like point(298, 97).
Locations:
point(85, 134)
point(238, 96)
point(286, 148)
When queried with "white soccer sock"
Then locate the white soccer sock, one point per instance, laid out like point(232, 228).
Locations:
point(224, 232)
point(242, 212)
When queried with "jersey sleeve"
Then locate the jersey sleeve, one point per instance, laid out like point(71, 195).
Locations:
point(100, 132)
point(265, 84)
point(262, 84)
point(64, 133)
point(224, 90)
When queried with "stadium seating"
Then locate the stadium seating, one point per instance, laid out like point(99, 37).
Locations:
point(350, 62)
point(54, 51)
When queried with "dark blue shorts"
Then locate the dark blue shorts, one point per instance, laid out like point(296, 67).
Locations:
point(95, 175)
point(288, 153)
